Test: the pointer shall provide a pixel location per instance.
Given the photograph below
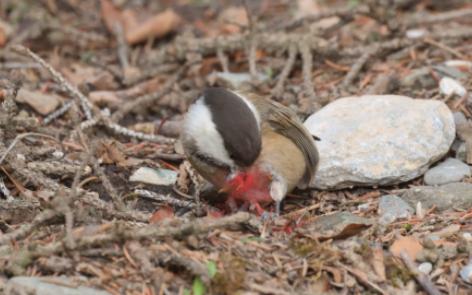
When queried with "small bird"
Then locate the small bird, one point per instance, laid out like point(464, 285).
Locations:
point(252, 148)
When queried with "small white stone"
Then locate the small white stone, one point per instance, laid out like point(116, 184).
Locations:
point(466, 273)
point(425, 267)
point(58, 154)
point(154, 176)
point(449, 86)
point(21, 157)
point(363, 207)
point(416, 33)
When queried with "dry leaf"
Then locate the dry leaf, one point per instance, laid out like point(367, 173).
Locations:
point(157, 26)
point(233, 19)
point(409, 244)
point(307, 7)
point(111, 153)
point(339, 225)
point(111, 15)
point(105, 98)
point(165, 212)
point(40, 102)
point(5, 31)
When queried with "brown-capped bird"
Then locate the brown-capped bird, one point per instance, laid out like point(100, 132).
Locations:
point(254, 149)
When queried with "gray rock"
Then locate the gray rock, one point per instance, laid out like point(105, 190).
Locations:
point(447, 196)
point(45, 286)
point(451, 170)
point(392, 207)
point(461, 153)
point(459, 118)
point(466, 273)
point(379, 139)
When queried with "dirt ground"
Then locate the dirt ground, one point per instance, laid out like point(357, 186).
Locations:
point(93, 90)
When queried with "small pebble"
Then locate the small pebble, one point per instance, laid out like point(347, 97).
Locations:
point(449, 86)
point(459, 118)
point(58, 154)
point(451, 170)
point(466, 273)
point(415, 33)
point(363, 207)
point(392, 207)
point(425, 267)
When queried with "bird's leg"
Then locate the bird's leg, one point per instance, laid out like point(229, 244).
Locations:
point(257, 207)
point(231, 204)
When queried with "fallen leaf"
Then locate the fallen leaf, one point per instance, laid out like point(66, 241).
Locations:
point(112, 153)
point(410, 245)
point(81, 75)
point(163, 213)
point(105, 98)
point(306, 8)
point(336, 226)
point(233, 19)
point(40, 102)
point(111, 15)
point(157, 26)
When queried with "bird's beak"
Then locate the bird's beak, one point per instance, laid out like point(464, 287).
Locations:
point(225, 189)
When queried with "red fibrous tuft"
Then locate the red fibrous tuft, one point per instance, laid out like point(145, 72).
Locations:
point(250, 188)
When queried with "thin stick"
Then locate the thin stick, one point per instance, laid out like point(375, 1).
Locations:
point(356, 69)
point(72, 90)
point(421, 278)
point(164, 199)
point(20, 137)
point(148, 99)
point(307, 67)
point(149, 232)
point(279, 87)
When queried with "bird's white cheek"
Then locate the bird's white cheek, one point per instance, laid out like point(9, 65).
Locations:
point(199, 126)
point(278, 190)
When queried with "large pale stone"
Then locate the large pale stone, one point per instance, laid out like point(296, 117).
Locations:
point(48, 286)
point(379, 139)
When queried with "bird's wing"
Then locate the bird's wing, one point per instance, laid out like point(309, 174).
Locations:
point(285, 121)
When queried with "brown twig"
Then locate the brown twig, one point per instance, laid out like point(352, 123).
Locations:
point(148, 99)
point(167, 199)
point(341, 12)
point(117, 201)
point(421, 278)
point(422, 19)
point(356, 69)
point(279, 87)
point(307, 67)
point(73, 91)
point(149, 232)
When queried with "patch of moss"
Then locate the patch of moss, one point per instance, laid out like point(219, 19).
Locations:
point(231, 276)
